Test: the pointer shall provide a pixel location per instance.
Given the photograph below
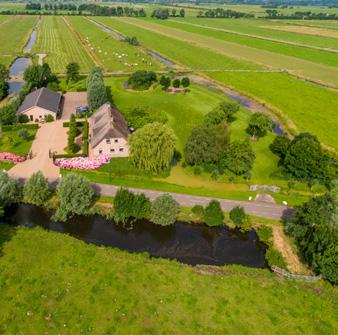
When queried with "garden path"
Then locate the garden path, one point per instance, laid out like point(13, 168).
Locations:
point(50, 136)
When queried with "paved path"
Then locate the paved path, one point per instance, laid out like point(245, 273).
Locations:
point(50, 136)
point(262, 209)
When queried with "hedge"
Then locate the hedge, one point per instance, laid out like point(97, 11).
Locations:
point(78, 124)
point(18, 126)
point(85, 134)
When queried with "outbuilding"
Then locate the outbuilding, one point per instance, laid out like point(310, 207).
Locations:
point(40, 103)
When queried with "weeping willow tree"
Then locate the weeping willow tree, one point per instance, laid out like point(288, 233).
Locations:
point(152, 147)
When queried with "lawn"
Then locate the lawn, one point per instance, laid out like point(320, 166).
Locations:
point(12, 142)
point(62, 46)
point(316, 72)
point(52, 283)
point(112, 54)
point(5, 165)
point(14, 34)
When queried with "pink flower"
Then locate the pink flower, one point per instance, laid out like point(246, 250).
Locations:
point(8, 156)
point(82, 163)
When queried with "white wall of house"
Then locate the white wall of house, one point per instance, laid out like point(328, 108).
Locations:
point(38, 113)
point(115, 147)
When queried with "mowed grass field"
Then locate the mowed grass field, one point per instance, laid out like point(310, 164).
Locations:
point(59, 42)
point(53, 283)
point(310, 70)
point(309, 107)
point(14, 34)
point(112, 54)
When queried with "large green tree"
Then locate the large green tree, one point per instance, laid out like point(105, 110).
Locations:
point(229, 110)
point(152, 147)
point(259, 125)
point(213, 214)
point(164, 210)
point(206, 144)
point(75, 195)
point(3, 81)
point(38, 75)
point(36, 189)
point(96, 90)
point(314, 226)
point(280, 145)
point(10, 190)
point(73, 72)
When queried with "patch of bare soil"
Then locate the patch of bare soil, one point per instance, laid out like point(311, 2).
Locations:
point(282, 244)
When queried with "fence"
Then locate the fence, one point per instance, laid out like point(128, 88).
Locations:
point(285, 273)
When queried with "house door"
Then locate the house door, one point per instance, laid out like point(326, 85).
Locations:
point(31, 117)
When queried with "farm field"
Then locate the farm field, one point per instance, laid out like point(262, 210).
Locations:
point(18, 28)
point(274, 89)
point(58, 41)
point(313, 55)
point(112, 54)
point(52, 281)
point(303, 68)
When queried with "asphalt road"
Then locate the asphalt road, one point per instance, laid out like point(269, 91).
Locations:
point(262, 209)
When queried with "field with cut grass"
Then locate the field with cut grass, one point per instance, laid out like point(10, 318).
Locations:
point(52, 283)
point(14, 34)
point(112, 54)
point(62, 46)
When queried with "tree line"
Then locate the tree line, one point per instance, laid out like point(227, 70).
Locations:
point(308, 15)
point(223, 13)
point(164, 13)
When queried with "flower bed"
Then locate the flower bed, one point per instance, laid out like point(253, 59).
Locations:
point(82, 163)
point(9, 157)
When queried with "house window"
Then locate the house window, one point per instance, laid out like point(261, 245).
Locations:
point(121, 149)
point(112, 150)
point(40, 116)
point(116, 140)
point(100, 151)
point(108, 141)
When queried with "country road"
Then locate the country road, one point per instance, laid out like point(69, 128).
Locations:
point(262, 209)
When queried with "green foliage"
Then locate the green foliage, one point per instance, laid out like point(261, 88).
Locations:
point(23, 133)
point(185, 82)
point(265, 234)
point(96, 90)
point(214, 117)
point(176, 83)
point(4, 76)
point(141, 80)
point(72, 147)
point(237, 215)
point(38, 75)
point(314, 227)
point(132, 40)
point(123, 205)
point(198, 210)
point(152, 147)
point(75, 195)
point(165, 82)
point(280, 145)
point(206, 144)
point(73, 72)
point(164, 210)
point(229, 110)
point(238, 157)
point(36, 189)
point(141, 207)
point(213, 214)
point(10, 190)
point(49, 118)
point(259, 125)
point(85, 135)
point(274, 257)
point(138, 117)
point(23, 118)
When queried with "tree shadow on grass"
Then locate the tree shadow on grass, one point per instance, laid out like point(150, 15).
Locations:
point(6, 234)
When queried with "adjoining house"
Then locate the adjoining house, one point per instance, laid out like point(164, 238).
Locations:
point(108, 132)
point(40, 103)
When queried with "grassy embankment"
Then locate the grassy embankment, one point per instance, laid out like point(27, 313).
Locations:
point(112, 54)
point(309, 107)
point(54, 283)
point(61, 45)
point(14, 33)
point(184, 112)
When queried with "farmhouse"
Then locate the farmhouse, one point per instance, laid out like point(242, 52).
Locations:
point(40, 103)
point(108, 132)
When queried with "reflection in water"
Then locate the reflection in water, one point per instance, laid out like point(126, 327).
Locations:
point(191, 244)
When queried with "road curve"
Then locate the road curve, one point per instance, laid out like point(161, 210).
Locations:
point(262, 209)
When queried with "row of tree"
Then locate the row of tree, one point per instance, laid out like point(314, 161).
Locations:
point(223, 13)
point(166, 82)
point(112, 11)
point(4, 76)
point(164, 13)
point(308, 15)
point(50, 6)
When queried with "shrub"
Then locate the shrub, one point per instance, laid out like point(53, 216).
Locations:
point(164, 210)
point(214, 117)
point(141, 207)
point(228, 109)
point(23, 118)
point(198, 210)
point(237, 215)
point(185, 82)
point(36, 189)
point(265, 234)
point(23, 133)
point(259, 125)
point(75, 195)
point(49, 118)
point(10, 190)
point(176, 83)
point(165, 82)
point(274, 257)
point(213, 214)
point(142, 80)
point(123, 205)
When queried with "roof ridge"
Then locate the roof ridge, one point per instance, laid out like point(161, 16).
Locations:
point(39, 95)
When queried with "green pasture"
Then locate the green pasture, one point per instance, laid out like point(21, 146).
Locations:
point(12, 142)
point(14, 34)
point(55, 283)
point(62, 46)
point(300, 67)
point(313, 55)
point(174, 49)
point(112, 54)
point(311, 108)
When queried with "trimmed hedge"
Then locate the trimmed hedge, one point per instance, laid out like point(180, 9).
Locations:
point(18, 126)
point(85, 134)
point(78, 124)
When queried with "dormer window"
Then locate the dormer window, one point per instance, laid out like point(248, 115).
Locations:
point(116, 140)
point(108, 140)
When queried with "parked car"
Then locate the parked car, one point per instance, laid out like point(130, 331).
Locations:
point(82, 109)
